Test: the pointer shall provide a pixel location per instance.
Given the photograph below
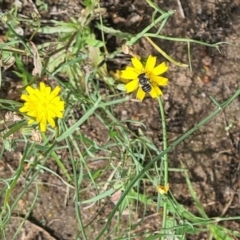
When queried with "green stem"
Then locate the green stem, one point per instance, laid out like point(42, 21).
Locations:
point(56, 158)
point(15, 179)
point(77, 189)
point(165, 145)
point(188, 40)
point(153, 24)
point(164, 159)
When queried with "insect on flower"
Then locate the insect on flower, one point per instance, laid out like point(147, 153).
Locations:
point(144, 82)
point(145, 78)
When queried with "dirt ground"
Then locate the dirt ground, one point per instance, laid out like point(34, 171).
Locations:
point(211, 154)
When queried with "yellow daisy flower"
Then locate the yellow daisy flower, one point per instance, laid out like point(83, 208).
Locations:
point(43, 105)
point(163, 189)
point(145, 79)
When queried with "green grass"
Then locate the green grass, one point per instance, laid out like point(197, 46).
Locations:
point(133, 161)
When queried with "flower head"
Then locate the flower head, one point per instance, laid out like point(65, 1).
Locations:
point(43, 105)
point(145, 79)
point(163, 189)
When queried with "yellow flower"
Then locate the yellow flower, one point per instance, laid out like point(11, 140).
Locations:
point(145, 79)
point(163, 189)
point(43, 105)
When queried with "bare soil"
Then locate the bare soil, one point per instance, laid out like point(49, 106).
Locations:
point(211, 154)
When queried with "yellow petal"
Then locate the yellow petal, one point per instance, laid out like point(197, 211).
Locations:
point(161, 68)
point(160, 81)
point(43, 127)
point(59, 114)
point(33, 97)
point(163, 189)
point(137, 64)
point(51, 122)
point(30, 90)
point(150, 64)
point(32, 113)
point(140, 94)
point(25, 97)
point(54, 112)
point(23, 109)
point(131, 86)
point(155, 92)
point(31, 121)
point(129, 73)
point(55, 91)
point(57, 105)
point(47, 92)
point(42, 86)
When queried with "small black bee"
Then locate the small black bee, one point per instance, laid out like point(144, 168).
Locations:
point(144, 82)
